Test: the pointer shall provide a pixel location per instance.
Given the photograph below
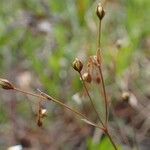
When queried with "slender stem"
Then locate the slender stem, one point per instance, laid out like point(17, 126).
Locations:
point(99, 35)
point(99, 43)
point(105, 95)
point(111, 140)
point(29, 93)
point(135, 139)
point(104, 3)
point(86, 89)
point(49, 98)
point(100, 71)
point(103, 85)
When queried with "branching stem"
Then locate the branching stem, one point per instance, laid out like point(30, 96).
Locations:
point(49, 98)
point(103, 85)
point(101, 74)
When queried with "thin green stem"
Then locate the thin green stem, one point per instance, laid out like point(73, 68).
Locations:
point(86, 89)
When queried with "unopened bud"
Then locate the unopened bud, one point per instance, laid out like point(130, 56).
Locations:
point(87, 77)
point(77, 65)
point(125, 96)
point(119, 43)
point(5, 84)
point(100, 11)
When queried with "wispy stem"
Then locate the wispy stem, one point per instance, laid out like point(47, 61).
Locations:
point(102, 79)
point(111, 140)
point(86, 89)
point(99, 35)
point(105, 95)
point(49, 98)
point(100, 71)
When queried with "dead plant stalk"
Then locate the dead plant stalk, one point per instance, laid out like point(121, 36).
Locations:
point(77, 65)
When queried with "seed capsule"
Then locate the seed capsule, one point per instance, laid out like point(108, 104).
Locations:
point(98, 80)
point(125, 96)
point(100, 11)
point(77, 65)
point(39, 122)
point(5, 84)
point(87, 77)
point(43, 113)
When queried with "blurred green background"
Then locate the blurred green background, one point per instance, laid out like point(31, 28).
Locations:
point(39, 39)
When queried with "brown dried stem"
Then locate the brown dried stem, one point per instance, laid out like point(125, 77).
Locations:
point(86, 89)
point(105, 95)
point(99, 34)
point(101, 73)
point(103, 85)
point(44, 96)
point(111, 140)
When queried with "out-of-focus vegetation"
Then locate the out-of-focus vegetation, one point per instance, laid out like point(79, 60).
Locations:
point(38, 41)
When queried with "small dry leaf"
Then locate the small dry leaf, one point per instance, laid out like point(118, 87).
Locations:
point(88, 122)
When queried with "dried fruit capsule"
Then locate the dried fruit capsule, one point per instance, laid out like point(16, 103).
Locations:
point(87, 77)
point(77, 65)
point(39, 123)
point(98, 80)
point(5, 84)
point(125, 96)
point(100, 11)
point(43, 113)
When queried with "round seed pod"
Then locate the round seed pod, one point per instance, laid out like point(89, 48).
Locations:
point(87, 77)
point(125, 96)
point(5, 84)
point(77, 65)
point(100, 11)
point(39, 123)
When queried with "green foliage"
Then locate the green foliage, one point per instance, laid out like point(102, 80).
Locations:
point(3, 114)
point(103, 145)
